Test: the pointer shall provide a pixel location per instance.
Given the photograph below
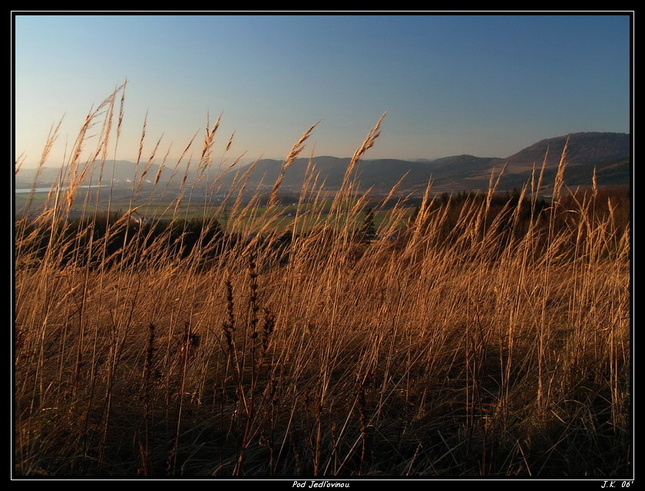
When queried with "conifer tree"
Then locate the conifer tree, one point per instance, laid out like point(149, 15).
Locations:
point(367, 231)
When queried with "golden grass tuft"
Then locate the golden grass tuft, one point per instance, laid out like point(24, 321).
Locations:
point(472, 337)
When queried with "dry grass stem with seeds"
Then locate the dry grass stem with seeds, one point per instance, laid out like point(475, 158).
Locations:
point(481, 334)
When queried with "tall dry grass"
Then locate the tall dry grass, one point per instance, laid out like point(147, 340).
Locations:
point(456, 342)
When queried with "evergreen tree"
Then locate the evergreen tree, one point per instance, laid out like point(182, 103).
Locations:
point(367, 232)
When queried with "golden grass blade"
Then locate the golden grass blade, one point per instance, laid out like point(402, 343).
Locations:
point(293, 154)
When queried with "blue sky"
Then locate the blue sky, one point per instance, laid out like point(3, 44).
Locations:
point(482, 84)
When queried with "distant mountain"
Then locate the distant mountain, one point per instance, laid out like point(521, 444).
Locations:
point(608, 153)
point(583, 149)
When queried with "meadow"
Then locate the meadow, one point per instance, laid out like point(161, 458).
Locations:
point(482, 335)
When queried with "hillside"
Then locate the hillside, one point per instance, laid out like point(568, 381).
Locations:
point(583, 149)
point(608, 153)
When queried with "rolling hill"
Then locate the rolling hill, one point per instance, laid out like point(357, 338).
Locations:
point(608, 153)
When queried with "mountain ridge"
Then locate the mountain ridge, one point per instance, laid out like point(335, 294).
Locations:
point(608, 153)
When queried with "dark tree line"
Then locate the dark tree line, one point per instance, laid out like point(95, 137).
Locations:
point(118, 239)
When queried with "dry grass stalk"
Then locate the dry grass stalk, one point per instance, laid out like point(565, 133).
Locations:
point(471, 338)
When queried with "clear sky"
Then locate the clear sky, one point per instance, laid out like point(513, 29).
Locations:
point(477, 83)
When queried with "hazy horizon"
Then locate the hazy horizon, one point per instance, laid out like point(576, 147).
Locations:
point(246, 161)
point(480, 84)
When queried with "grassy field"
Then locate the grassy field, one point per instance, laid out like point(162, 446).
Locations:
point(466, 337)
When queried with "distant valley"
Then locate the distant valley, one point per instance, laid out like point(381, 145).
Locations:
point(608, 153)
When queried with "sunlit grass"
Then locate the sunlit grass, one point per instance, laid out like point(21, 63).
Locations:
point(242, 336)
